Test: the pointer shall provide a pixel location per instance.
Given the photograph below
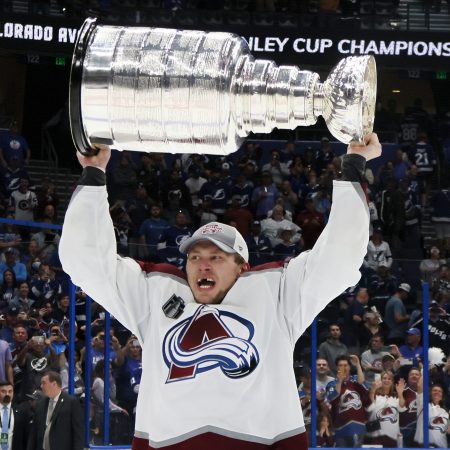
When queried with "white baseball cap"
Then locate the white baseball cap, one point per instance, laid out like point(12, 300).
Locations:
point(226, 237)
point(405, 287)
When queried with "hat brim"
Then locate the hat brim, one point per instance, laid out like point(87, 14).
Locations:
point(188, 243)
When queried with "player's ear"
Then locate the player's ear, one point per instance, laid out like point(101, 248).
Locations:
point(244, 268)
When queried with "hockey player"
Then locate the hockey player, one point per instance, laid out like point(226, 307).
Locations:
point(217, 344)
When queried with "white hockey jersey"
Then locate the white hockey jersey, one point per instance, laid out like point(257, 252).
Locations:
point(224, 369)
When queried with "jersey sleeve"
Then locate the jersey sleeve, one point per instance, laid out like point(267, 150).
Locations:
point(87, 252)
point(316, 277)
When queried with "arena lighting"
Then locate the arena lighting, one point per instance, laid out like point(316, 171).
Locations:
point(396, 91)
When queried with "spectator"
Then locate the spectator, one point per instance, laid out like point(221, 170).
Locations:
point(408, 418)
point(218, 190)
point(46, 197)
point(29, 257)
point(8, 289)
point(438, 327)
point(34, 361)
point(381, 284)
point(9, 235)
point(412, 351)
point(151, 231)
point(438, 426)
point(48, 241)
point(323, 377)
point(371, 359)
point(386, 401)
point(12, 263)
point(347, 395)
point(395, 314)
point(194, 183)
point(44, 288)
point(244, 189)
point(353, 319)
point(378, 251)
point(172, 237)
point(129, 378)
point(311, 222)
point(21, 299)
point(422, 155)
point(392, 213)
point(98, 349)
point(117, 434)
point(440, 286)
point(272, 226)
point(6, 332)
point(12, 176)
point(13, 145)
point(401, 165)
point(259, 246)
point(153, 165)
point(123, 178)
point(174, 196)
point(19, 341)
point(325, 433)
point(440, 218)
point(277, 169)
point(23, 201)
point(290, 198)
point(373, 325)
point(264, 196)
point(325, 154)
point(239, 214)
point(429, 267)
point(15, 432)
point(58, 421)
point(287, 245)
point(333, 347)
point(61, 312)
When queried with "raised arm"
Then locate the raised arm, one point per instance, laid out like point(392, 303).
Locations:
point(315, 278)
point(88, 249)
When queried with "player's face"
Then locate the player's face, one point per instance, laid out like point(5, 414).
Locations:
point(211, 272)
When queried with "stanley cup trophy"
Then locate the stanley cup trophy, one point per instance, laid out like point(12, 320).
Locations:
point(180, 91)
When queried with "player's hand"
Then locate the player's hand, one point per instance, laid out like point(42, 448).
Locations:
point(370, 150)
point(99, 160)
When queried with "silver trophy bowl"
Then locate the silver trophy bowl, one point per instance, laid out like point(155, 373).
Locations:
point(182, 91)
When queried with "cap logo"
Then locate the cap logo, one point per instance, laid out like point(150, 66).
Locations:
point(212, 229)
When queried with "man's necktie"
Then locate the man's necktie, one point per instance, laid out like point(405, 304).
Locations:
point(5, 425)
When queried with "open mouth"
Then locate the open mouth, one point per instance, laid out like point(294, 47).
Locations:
point(205, 283)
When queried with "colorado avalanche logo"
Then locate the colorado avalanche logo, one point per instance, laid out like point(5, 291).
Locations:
point(388, 414)
point(212, 229)
point(349, 400)
point(204, 342)
point(439, 423)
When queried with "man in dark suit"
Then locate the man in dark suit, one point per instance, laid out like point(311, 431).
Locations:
point(58, 421)
point(14, 420)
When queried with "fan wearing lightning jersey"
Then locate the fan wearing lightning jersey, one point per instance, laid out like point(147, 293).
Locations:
point(423, 156)
point(211, 339)
point(348, 398)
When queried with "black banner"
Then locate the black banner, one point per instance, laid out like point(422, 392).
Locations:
point(302, 47)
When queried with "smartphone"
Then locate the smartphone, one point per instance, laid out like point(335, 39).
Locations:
point(39, 339)
point(386, 348)
point(136, 343)
point(377, 377)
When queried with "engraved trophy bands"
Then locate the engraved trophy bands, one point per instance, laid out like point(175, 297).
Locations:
point(179, 91)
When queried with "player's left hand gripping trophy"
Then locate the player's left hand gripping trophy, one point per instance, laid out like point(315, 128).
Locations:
point(175, 91)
